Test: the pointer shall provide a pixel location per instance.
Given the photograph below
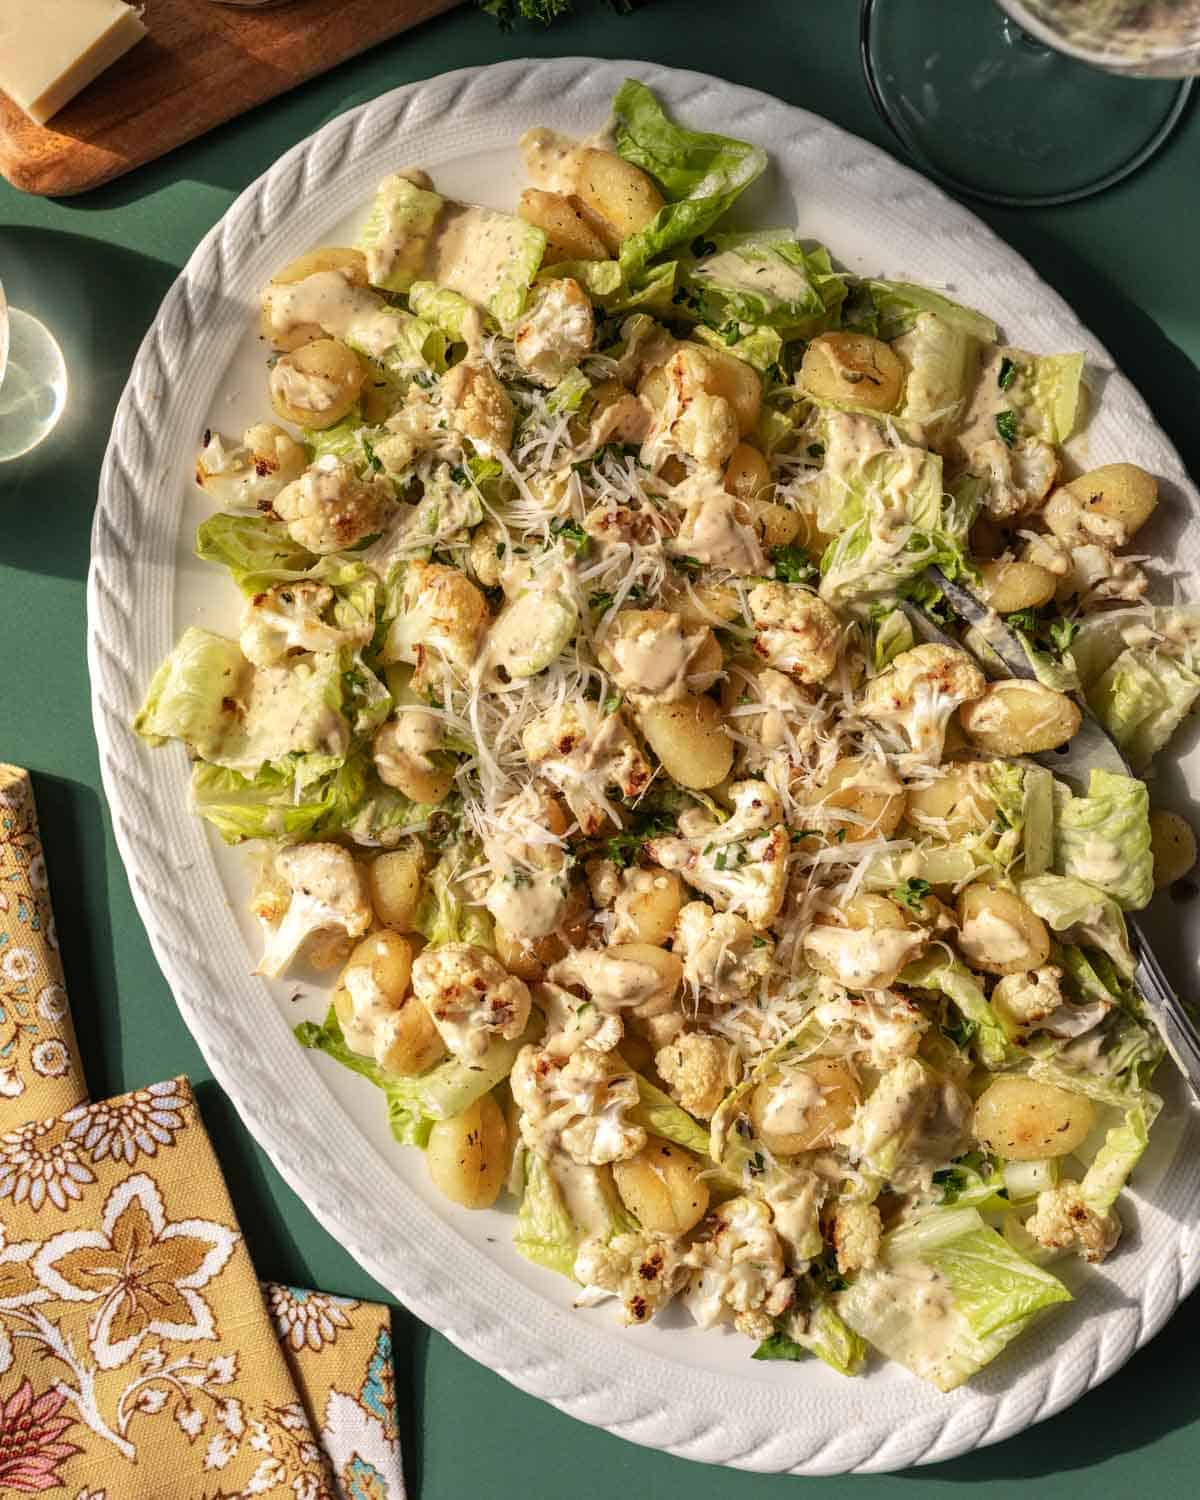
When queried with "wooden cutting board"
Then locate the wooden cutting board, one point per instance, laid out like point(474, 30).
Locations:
point(201, 64)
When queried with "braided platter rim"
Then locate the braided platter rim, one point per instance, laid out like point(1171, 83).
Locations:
point(596, 1374)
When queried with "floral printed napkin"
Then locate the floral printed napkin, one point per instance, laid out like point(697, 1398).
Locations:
point(40, 1073)
point(140, 1358)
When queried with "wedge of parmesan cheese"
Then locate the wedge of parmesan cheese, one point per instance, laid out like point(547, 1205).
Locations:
point(52, 49)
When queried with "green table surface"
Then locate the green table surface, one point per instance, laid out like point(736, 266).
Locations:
point(95, 268)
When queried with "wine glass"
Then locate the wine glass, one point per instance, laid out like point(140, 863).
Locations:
point(1026, 102)
point(33, 381)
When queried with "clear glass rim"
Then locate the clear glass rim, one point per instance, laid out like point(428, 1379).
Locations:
point(1111, 63)
point(952, 184)
point(4, 326)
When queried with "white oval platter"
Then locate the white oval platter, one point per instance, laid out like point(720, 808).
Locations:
point(670, 1387)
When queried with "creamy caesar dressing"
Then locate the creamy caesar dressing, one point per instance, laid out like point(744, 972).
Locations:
point(987, 933)
point(770, 276)
point(984, 402)
point(283, 710)
point(472, 249)
point(552, 161)
point(326, 300)
point(297, 388)
point(611, 982)
point(407, 246)
point(654, 661)
point(792, 1100)
point(915, 1303)
point(712, 532)
point(1098, 860)
point(373, 1012)
point(861, 958)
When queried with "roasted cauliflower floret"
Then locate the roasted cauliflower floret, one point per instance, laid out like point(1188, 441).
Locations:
point(478, 407)
point(308, 889)
point(556, 330)
point(739, 1271)
point(572, 1023)
point(856, 1231)
point(529, 883)
point(698, 1070)
point(289, 617)
point(724, 959)
point(644, 1270)
point(1063, 1221)
point(883, 1026)
point(441, 619)
point(618, 978)
point(691, 421)
point(1034, 1001)
point(795, 631)
point(583, 752)
point(648, 654)
point(470, 997)
point(1019, 478)
point(329, 508)
point(578, 1106)
point(862, 958)
point(919, 692)
point(251, 473)
point(742, 863)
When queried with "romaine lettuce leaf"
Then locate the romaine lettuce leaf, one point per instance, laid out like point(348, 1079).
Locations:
point(816, 1328)
point(194, 695)
point(898, 304)
point(1122, 1149)
point(762, 280)
point(257, 550)
point(701, 175)
point(941, 359)
point(1142, 699)
point(658, 1113)
point(1081, 913)
point(1104, 838)
point(443, 916)
point(987, 1290)
point(545, 1232)
point(760, 347)
point(291, 798)
point(607, 284)
point(443, 309)
point(397, 233)
point(937, 971)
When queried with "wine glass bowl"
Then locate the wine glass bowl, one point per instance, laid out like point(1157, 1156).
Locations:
point(33, 381)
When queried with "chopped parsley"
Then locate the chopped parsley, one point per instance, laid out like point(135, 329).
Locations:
point(373, 459)
point(1007, 426)
point(911, 893)
point(685, 564)
point(816, 450)
point(702, 247)
point(793, 565)
point(1009, 370)
point(572, 533)
point(612, 703)
point(1062, 632)
point(961, 1032)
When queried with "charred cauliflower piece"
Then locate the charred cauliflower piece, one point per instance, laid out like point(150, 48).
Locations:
point(1063, 1221)
point(583, 752)
point(290, 617)
point(740, 1271)
point(442, 619)
point(919, 692)
point(470, 997)
point(310, 889)
point(795, 631)
point(578, 1106)
point(699, 1070)
point(556, 330)
point(329, 508)
point(251, 473)
point(644, 1270)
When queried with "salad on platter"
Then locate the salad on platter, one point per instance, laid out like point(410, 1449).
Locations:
point(676, 893)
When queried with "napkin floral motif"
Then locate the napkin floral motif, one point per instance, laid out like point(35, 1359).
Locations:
point(136, 1357)
point(39, 1063)
point(340, 1352)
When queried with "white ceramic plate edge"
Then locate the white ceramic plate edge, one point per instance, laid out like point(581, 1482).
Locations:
point(598, 1378)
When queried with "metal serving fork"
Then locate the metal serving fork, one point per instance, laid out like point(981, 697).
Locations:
point(1090, 749)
